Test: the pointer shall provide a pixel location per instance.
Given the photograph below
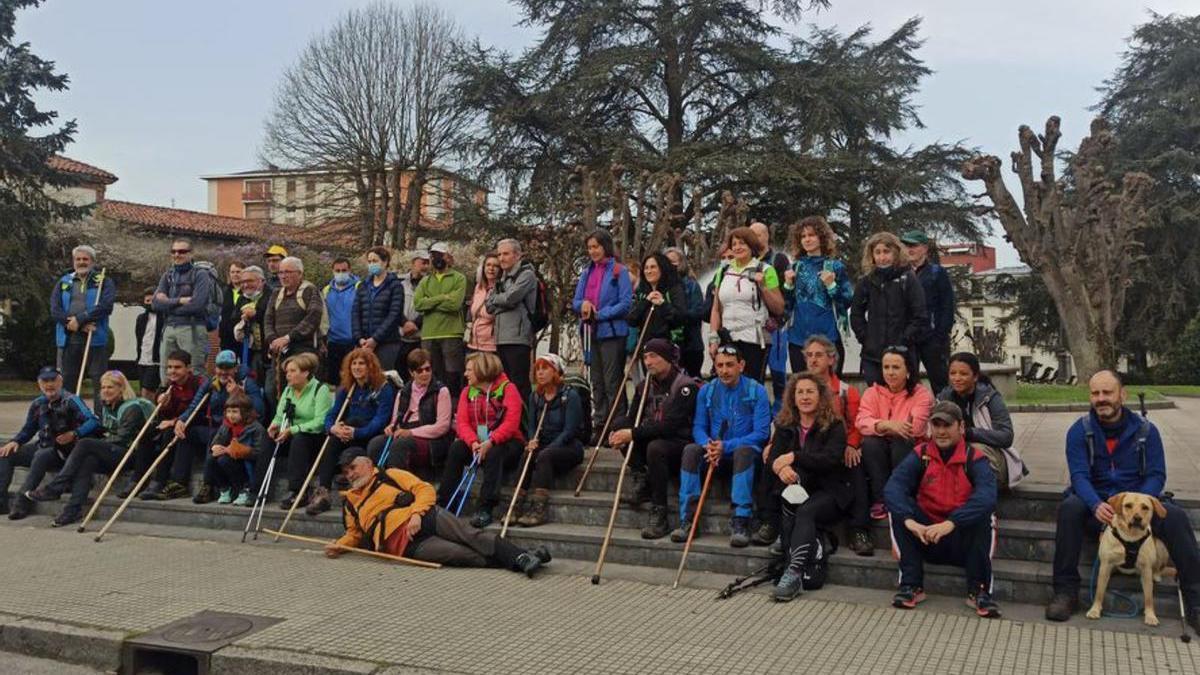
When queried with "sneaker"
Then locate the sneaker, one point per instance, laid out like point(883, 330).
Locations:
point(528, 563)
point(1192, 617)
point(878, 511)
point(908, 597)
point(983, 604)
point(790, 586)
point(68, 516)
point(22, 508)
point(1062, 606)
point(481, 519)
point(319, 503)
point(740, 537)
point(775, 550)
point(542, 554)
point(680, 534)
point(243, 498)
point(860, 542)
point(656, 523)
point(226, 496)
point(174, 490)
point(151, 491)
point(764, 535)
point(43, 494)
point(204, 495)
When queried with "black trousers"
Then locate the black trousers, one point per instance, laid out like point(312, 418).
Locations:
point(692, 362)
point(881, 454)
point(515, 359)
point(89, 457)
point(935, 356)
point(37, 458)
point(1074, 520)
point(194, 444)
point(968, 546)
point(663, 458)
point(452, 541)
point(403, 451)
point(226, 473)
point(302, 452)
point(70, 361)
point(798, 526)
point(334, 354)
point(500, 458)
point(550, 462)
point(755, 356)
point(607, 369)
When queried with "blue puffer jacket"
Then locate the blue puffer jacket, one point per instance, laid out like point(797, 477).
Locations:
point(1106, 474)
point(378, 311)
point(815, 308)
point(616, 297)
point(369, 411)
point(99, 298)
point(741, 411)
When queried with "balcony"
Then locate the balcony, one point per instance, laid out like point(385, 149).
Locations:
point(256, 196)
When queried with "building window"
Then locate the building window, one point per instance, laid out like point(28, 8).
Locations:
point(291, 191)
point(256, 190)
point(310, 190)
point(258, 211)
point(977, 312)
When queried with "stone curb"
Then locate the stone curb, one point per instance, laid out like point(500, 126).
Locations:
point(1081, 407)
point(235, 660)
point(93, 647)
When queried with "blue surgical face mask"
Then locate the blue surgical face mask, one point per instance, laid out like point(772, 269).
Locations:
point(374, 268)
point(341, 278)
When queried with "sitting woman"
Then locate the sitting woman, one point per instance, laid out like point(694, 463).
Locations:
point(892, 418)
point(989, 426)
point(122, 416)
point(420, 429)
point(810, 442)
point(557, 447)
point(489, 430)
point(236, 445)
point(299, 422)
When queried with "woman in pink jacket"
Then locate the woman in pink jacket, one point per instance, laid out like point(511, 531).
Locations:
point(892, 418)
point(482, 333)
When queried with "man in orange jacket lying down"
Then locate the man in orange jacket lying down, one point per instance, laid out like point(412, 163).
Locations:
point(394, 512)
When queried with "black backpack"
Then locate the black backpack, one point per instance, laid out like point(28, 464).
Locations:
point(584, 391)
point(539, 315)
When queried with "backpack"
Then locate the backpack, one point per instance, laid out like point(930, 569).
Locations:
point(539, 315)
point(1142, 434)
point(323, 328)
point(216, 298)
point(584, 391)
point(759, 267)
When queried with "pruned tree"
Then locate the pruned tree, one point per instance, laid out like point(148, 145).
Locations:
point(1078, 232)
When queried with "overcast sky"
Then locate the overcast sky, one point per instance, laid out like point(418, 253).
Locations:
point(165, 92)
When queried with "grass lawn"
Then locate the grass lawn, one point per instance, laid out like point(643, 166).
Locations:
point(1065, 393)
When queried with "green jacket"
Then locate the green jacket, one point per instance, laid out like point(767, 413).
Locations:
point(439, 299)
point(312, 405)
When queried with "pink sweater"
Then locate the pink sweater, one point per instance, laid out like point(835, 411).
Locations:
point(483, 324)
point(880, 404)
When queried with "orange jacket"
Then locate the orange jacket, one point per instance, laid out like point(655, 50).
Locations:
point(850, 414)
point(372, 513)
point(880, 404)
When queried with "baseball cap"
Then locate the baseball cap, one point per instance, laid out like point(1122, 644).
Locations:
point(48, 373)
point(420, 254)
point(226, 359)
point(440, 247)
point(276, 249)
point(946, 411)
point(914, 237)
point(350, 454)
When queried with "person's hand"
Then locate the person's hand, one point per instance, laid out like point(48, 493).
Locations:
point(8, 448)
point(369, 343)
point(620, 437)
point(332, 550)
point(390, 430)
point(183, 300)
point(475, 447)
point(655, 298)
point(403, 433)
point(408, 328)
point(163, 398)
point(789, 277)
point(532, 445)
point(781, 461)
point(916, 528)
point(766, 453)
point(218, 450)
point(89, 328)
point(273, 431)
point(248, 312)
point(853, 456)
point(161, 297)
point(759, 278)
point(66, 438)
point(587, 310)
point(232, 386)
point(414, 525)
point(279, 344)
point(180, 429)
point(934, 533)
point(166, 424)
point(72, 324)
point(827, 277)
point(712, 452)
point(483, 450)
point(788, 475)
point(1104, 513)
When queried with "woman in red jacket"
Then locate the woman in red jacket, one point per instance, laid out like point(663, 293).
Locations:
point(488, 424)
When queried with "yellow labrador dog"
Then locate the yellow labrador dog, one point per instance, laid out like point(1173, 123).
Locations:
point(1129, 547)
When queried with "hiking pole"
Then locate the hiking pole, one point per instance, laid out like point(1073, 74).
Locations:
point(467, 491)
point(612, 517)
point(316, 462)
point(260, 501)
point(87, 349)
point(1185, 636)
point(617, 396)
point(117, 471)
point(150, 471)
point(387, 445)
point(524, 469)
point(468, 477)
point(352, 549)
point(687, 547)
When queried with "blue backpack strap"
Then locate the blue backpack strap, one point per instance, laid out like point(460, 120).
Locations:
point(1089, 433)
point(1142, 434)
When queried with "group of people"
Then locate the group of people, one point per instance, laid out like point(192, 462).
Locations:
point(303, 368)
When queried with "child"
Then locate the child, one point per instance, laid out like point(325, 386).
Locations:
point(239, 441)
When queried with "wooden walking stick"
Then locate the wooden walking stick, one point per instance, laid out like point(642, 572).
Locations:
point(687, 547)
point(524, 469)
point(612, 517)
point(362, 551)
point(117, 471)
point(616, 399)
point(87, 344)
point(316, 462)
point(150, 471)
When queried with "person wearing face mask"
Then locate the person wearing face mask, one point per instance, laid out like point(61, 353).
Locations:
point(80, 305)
point(439, 299)
point(252, 308)
point(147, 332)
point(888, 308)
point(339, 296)
point(379, 309)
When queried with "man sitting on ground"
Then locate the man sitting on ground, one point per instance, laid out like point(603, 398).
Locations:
point(1112, 450)
point(395, 512)
point(940, 500)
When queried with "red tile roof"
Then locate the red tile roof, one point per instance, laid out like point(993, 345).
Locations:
point(80, 168)
point(183, 221)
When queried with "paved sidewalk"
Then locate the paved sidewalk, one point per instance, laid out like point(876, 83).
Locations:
point(491, 621)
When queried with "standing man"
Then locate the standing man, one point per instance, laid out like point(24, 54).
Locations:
point(777, 351)
point(252, 309)
point(182, 299)
point(339, 304)
point(293, 322)
point(147, 332)
point(229, 302)
point(933, 346)
point(80, 305)
point(439, 299)
point(272, 258)
point(511, 301)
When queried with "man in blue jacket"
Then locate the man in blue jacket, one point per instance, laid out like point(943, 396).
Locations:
point(732, 423)
point(933, 345)
point(339, 296)
point(181, 298)
point(1112, 450)
point(80, 305)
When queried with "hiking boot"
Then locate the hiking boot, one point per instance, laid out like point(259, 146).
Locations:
point(908, 597)
point(1062, 606)
point(528, 563)
point(204, 495)
point(764, 535)
point(244, 498)
point(740, 537)
point(860, 542)
point(482, 518)
point(150, 492)
point(542, 554)
point(68, 516)
point(43, 494)
point(790, 586)
point(293, 498)
point(775, 550)
point(680, 534)
point(656, 523)
point(174, 490)
point(519, 509)
point(22, 508)
point(226, 496)
point(981, 601)
point(535, 513)
point(641, 490)
point(879, 511)
point(319, 503)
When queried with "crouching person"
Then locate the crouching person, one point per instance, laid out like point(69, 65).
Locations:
point(236, 446)
point(941, 499)
point(395, 512)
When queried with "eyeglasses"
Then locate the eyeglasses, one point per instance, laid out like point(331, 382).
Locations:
point(180, 251)
point(899, 349)
point(421, 369)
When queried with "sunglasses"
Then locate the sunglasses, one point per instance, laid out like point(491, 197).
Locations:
point(180, 251)
point(728, 350)
point(899, 349)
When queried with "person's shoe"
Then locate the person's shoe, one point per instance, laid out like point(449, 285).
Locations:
point(482, 518)
point(908, 597)
point(3, 505)
point(43, 494)
point(656, 523)
point(519, 509)
point(542, 554)
point(292, 497)
point(740, 536)
point(151, 491)
point(68, 516)
point(127, 488)
point(775, 550)
point(790, 586)
point(878, 511)
point(529, 564)
point(320, 502)
point(225, 497)
point(981, 601)
point(764, 535)
point(204, 495)
point(243, 498)
point(680, 534)
point(535, 512)
point(641, 490)
point(22, 508)
point(174, 490)
point(860, 542)
point(1062, 606)
point(1192, 617)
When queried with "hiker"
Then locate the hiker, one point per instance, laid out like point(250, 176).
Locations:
point(80, 306)
point(777, 344)
point(339, 294)
point(292, 325)
point(892, 419)
point(421, 433)
point(746, 293)
point(172, 478)
point(989, 426)
point(239, 445)
point(55, 422)
point(1111, 450)
point(299, 420)
point(439, 299)
point(273, 258)
point(659, 288)
point(489, 429)
point(392, 511)
point(657, 442)
point(818, 291)
point(603, 298)
point(481, 335)
point(249, 329)
point(410, 328)
point(229, 378)
point(378, 311)
point(933, 344)
point(888, 308)
point(691, 355)
point(557, 448)
point(181, 299)
point(732, 424)
point(941, 499)
point(147, 336)
point(512, 302)
point(808, 451)
point(231, 294)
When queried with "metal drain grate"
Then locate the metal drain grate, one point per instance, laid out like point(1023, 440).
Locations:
point(187, 645)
